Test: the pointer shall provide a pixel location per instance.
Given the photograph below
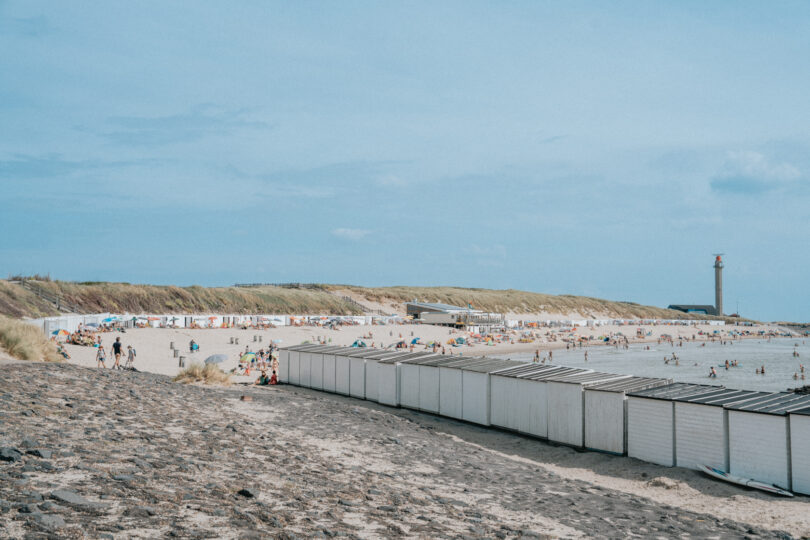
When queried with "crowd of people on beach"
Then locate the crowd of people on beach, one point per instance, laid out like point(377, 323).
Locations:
point(261, 360)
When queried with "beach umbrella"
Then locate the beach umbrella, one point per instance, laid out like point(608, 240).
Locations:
point(91, 324)
point(414, 341)
point(216, 358)
point(248, 357)
point(60, 332)
point(110, 319)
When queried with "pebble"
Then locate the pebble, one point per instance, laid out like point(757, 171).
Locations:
point(10, 454)
point(49, 521)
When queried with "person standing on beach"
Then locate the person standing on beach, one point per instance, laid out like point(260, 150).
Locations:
point(117, 345)
point(131, 356)
point(100, 356)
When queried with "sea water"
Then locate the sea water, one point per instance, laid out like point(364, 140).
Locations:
point(696, 360)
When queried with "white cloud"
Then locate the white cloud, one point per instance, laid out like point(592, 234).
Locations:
point(350, 234)
point(756, 165)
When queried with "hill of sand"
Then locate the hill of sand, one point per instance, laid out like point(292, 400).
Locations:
point(38, 298)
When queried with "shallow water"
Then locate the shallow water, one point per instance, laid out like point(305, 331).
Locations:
point(695, 362)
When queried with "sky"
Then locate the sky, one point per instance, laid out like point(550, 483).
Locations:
point(587, 148)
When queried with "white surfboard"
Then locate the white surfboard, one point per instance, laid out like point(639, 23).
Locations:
point(722, 475)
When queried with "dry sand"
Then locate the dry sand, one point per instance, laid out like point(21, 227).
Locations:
point(155, 356)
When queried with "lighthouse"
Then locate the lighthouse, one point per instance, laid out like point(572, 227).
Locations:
point(718, 284)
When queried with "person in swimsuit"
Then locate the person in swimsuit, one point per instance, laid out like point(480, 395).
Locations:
point(117, 347)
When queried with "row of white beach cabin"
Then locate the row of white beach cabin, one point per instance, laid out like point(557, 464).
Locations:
point(760, 435)
point(749, 434)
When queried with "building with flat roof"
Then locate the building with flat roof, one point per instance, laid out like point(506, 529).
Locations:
point(693, 308)
point(455, 316)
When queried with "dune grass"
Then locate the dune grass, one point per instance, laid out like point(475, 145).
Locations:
point(205, 374)
point(515, 301)
point(26, 342)
point(321, 299)
point(93, 297)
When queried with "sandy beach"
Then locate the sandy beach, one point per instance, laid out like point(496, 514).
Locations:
point(154, 354)
point(112, 454)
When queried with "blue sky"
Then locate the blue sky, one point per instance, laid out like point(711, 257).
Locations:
point(571, 148)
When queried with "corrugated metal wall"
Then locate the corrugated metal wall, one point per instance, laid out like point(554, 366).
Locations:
point(329, 372)
point(388, 384)
point(429, 389)
point(650, 430)
point(342, 380)
point(409, 386)
point(357, 377)
point(800, 452)
point(372, 390)
point(701, 436)
point(304, 363)
point(604, 421)
point(316, 370)
point(475, 397)
point(450, 393)
point(565, 413)
point(758, 447)
point(294, 373)
point(284, 365)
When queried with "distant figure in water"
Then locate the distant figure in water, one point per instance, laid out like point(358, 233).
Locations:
point(726, 365)
point(762, 370)
point(713, 373)
point(586, 358)
point(795, 376)
point(757, 371)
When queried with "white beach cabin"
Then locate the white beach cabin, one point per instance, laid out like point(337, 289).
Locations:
point(515, 402)
point(566, 405)
point(475, 388)
point(606, 412)
point(701, 427)
point(651, 421)
point(759, 438)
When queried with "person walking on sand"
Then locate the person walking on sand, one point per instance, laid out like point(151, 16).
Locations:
point(131, 356)
point(117, 345)
point(100, 357)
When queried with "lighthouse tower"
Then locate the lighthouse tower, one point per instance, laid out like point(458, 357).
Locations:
point(718, 284)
